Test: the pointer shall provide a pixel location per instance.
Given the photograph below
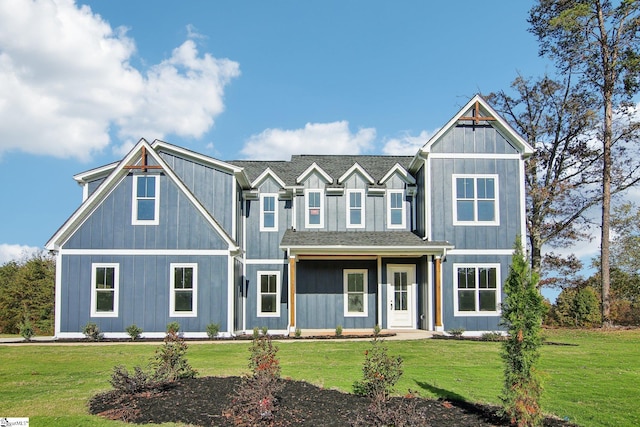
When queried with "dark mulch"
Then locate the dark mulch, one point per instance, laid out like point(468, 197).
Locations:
point(205, 401)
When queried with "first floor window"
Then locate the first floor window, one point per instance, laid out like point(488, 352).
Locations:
point(477, 289)
point(268, 293)
point(355, 292)
point(184, 285)
point(104, 295)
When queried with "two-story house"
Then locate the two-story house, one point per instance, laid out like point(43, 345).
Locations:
point(404, 242)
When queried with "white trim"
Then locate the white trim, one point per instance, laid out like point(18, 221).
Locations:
point(379, 296)
point(58, 295)
point(356, 168)
point(402, 172)
point(208, 161)
point(412, 301)
point(85, 191)
point(523, 205)
point(363, 202)
point(430, 292)
point(310, 169)
point(116, 289)
point(194, 290)
point(275, 212)
point(144, 335)
point(268, 172)
point(427, 198)
point(261, 273)
point(95, 173)
point(365, 296)
point(403, 224)
point(306, 207)
point(498, 290)
point(266, 261)
point(244, 269)
point(230, 295)
point(481, 156)
point(234, 208)
point(480, 252)
point(156, 200)
point(496, 199)
point(143, 252)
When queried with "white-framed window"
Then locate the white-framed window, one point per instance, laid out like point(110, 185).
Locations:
point(105, 286)
point(268, 293)
point(477, 289)
point(146, 200)
point(475, 200)
point(355, 208)
point(355, 292)
point(268, 212)
point(396, 216)
point(183, 299)
point(314, 208)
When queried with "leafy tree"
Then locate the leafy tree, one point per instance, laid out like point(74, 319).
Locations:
point(522, 311)
point(554, 117)
point(27, 293)
point(578, 307)
point(601, 42)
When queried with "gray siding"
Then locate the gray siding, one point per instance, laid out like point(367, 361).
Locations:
point(320, 295)
point(473, 139)
point(469, 237)
point(93, 185)
point(469, 323)
point(420, 198)
point(181, 225)
point(144, 292)
point(251, 315)
point(212, 187)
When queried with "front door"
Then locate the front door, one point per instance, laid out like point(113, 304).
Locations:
point(401, 296)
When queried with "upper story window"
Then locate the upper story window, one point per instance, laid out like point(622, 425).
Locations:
point(314, 208)
point(477, 291)
point(104, 293)
point(396, 209)
point(268, 212)
point(476, 200)
point(146, 199)
point(355, 293)
point(268, 293)
point(355, 208)
point(184, 290)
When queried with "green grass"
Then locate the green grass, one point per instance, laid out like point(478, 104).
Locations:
point(593, 383)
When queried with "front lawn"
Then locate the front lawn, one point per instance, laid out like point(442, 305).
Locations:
point(592, 382)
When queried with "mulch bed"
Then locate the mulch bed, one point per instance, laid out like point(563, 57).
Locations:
point(205, 401)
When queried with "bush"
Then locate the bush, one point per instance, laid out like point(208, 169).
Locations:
point(27, 330)
point(256, 333)
point(492, 336)
point(376, 330)
point(213, 329)
point(137, 382)
point(134, 332)
point(170, 361)
point(456, 332)
point(255, 398)
point(264, 330)
point(173, 327)
point(380, 372)
point(339, 330)
point(298, 333)
point(92, 332)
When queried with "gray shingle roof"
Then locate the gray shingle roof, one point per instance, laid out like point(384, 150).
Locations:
point(358, 239)
point(334, 165)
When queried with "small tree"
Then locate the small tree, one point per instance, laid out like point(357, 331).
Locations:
point(522, 312)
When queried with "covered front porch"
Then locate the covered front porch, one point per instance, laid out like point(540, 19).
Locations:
point(357, 280)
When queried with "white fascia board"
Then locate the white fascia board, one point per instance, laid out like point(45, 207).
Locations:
point(371, 250)
point(402, 172)
point(192, 155)
point(267, 172)
point(356, 168)
point(314, 167)
point(96, 173)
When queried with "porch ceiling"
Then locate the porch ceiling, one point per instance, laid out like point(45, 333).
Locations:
point(361, 242)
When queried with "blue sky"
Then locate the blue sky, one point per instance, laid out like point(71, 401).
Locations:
point(80, 82)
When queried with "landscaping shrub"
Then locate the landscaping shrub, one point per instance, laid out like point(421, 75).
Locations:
point(492, 336)
point(264, 330)
point(522, 312)
point(137, 382)
point(456, 332)
point(213, 329)
point(298, 333)
point(173, 327)
point(255, 399)
point(170, 361)
point(133, 331)
point(92, 332)
point(380, 372)
point(26, 328)
point(339, 330)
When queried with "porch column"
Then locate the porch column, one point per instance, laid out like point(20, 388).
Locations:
point(438, 289)
point(292, 293)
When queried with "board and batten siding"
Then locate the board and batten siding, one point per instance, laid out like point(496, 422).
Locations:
point(212, 187)
point(144, 292)
point(266, 244)
point(479, 139)
point(251, 305)
point(320, 294)
point(181, 225)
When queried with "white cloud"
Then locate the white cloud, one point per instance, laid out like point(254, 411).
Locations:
point(15, 252)
point(314, 138)
point(66, 80)
point(407, 145)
